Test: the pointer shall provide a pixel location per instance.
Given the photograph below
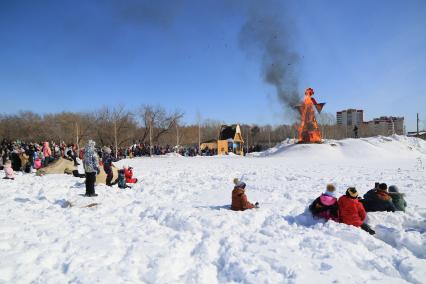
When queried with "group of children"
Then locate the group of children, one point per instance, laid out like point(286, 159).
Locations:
point(349, 209)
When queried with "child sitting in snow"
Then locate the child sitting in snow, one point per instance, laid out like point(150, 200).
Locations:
point(128, 172)
point(121, 180)
point(397, 198)
point(8, 170)
point(239, 197)
point(352, 212)
point(325, 206)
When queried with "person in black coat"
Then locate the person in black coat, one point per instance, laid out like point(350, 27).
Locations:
point(378, 199)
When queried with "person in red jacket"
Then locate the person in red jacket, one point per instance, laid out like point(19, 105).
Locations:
point(352, 212)
point(239, 197)
point(128, 173)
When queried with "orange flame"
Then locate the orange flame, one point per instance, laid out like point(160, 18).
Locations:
point(308, 130)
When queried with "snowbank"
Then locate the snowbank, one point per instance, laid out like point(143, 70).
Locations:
point(175, 226)
point(394, 147)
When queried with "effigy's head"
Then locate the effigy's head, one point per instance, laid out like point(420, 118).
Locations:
point(309, 92)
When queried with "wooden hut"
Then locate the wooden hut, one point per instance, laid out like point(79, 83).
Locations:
point(230, 140)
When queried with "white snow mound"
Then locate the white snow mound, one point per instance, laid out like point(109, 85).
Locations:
point(176, 227)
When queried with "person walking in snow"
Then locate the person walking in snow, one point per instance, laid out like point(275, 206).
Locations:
point(325, 206)
point(352, 212)
point(378, 199)
point(397, 198)
point(239, 197)
point(91, 167)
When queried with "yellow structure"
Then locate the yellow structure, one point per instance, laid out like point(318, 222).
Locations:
point(211, 144)
point(230, 140)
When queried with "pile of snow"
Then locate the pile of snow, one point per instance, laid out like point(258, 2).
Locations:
point(375, 147)
point(175, 226)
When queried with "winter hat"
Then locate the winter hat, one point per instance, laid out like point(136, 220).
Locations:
point(330, 190)
point(393, 189)
point(239, 184)
point(351, 192)
point(106, 149)
point(383, 186)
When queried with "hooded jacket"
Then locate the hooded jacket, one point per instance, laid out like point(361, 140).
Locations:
point(90, 159)
point(325, 207)
point(398, 201)
point(8, 170)
point(47, 152)
point(351, 211)
point(129, 176)
point(239, 200)
point(378, 200)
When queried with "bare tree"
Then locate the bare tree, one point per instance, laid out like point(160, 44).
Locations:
point(157, 121)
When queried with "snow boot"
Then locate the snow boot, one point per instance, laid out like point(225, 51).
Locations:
point(367, 228)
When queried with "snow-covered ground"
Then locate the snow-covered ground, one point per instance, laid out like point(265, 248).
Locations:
point(174, 226)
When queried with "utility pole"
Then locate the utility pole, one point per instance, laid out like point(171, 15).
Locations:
point(199, 132)
point(418, 124)
point(115, 138)
point(199, 138)
point(269, 138)
point(177, 135)
point(76, 132)
point(150, 135)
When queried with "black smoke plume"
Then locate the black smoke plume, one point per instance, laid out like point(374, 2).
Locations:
point(267, 37)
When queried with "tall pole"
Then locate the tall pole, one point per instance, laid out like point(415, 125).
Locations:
point(177, 135)
point(269, 137)
point(199, 131)
point(150, 135)
point(199, 138)
point(76, 132)
point(418, 124)
point(115, 138)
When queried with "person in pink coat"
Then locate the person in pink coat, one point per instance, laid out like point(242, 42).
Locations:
point(47, 153)
point(8, 170)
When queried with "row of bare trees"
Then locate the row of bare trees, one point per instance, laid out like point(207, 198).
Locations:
point(149, 124)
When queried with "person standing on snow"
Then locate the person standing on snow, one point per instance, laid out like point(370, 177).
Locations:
point(107, 160)
point(239, 197)
point(8, 170)
point(91, 167)
point(352, 212)
point(47, 153)
point(325, 206)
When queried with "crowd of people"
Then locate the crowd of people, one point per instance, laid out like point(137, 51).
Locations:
point(21, 156)
point(349, 209)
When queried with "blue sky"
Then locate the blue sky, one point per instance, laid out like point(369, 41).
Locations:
point(81, 55)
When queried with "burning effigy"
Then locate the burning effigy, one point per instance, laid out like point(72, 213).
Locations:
point(309, 131)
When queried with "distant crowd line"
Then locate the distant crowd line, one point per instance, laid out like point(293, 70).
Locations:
point(35, 155)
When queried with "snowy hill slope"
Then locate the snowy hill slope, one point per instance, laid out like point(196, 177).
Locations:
point(175, 226)
point(373, 147)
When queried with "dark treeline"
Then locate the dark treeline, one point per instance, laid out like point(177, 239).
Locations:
point(148, 124)
point(107, 126)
